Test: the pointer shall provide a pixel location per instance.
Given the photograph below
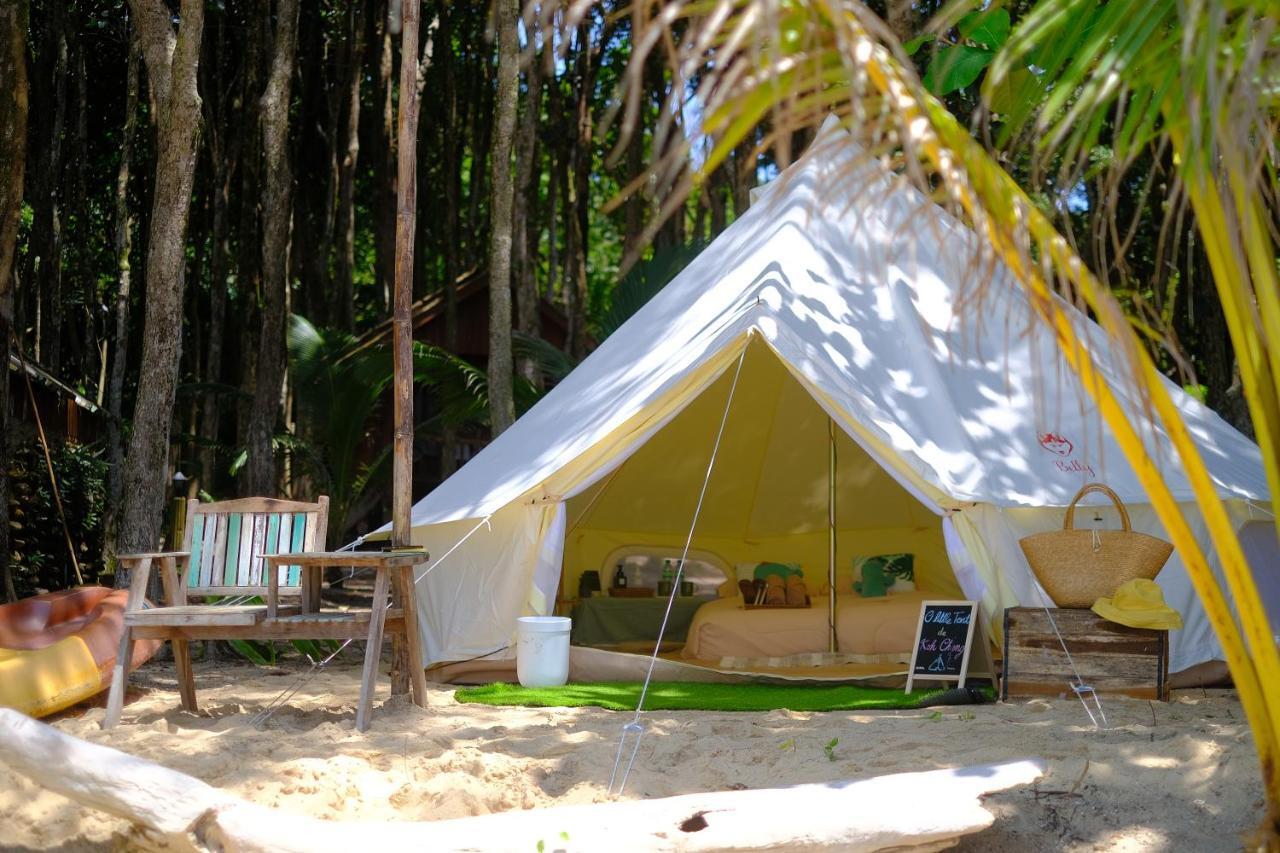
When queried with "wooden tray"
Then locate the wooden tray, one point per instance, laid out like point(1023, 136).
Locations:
point(631, 592)
point(808, 602)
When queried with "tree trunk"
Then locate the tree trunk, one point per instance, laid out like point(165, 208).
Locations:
point(744, 176)
point(349, 145)
point(172, 60)
point(248, 241)
point(46, 228)
point(13, 159)
point(276, 214)
point(480, 129)
point(634, 209)
point(502, 409)
point(579, 207)
point(451, 250)
point(124, 274)
point(84, 340)
point(385, 166)
point(526, 283)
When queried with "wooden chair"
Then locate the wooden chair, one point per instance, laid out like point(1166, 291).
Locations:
point(222, 557)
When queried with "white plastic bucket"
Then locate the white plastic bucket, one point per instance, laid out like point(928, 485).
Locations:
point(542, 650)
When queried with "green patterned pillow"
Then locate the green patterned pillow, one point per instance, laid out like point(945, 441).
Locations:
point(898, 569)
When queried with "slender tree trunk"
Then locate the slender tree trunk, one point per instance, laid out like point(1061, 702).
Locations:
point(526, 283)
point(276, 214)
point(46, 227)
point(502, 410)
point(633, 210)
point(744, 176)
point(13, 159)
point(451, 250)
point(225, 146)
point(248, 240)
point(349, 144)
point(385, 165)
point(124, 275)
point(85, 340)
point(480, 132)
point(579, 202)
point(172, 60)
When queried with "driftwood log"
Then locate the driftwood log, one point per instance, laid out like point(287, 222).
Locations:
point(916, 811)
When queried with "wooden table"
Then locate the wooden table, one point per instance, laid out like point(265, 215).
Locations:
point(390, 568)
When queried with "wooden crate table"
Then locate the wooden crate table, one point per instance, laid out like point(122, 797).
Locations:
point(391, 569)
point(1111, 658)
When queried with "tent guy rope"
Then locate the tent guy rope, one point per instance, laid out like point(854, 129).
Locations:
point(635, 726)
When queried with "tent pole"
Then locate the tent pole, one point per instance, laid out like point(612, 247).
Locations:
point(831, 537)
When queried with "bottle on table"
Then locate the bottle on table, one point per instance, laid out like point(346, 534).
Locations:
point(668, 578)
point(620, 578)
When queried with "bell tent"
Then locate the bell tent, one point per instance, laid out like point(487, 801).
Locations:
point(842, 308)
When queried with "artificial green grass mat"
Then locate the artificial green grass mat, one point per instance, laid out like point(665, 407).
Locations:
point(689, 696)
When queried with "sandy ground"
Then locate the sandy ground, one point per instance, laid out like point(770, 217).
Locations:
point(1181, 775)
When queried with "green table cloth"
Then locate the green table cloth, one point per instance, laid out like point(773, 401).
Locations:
point(606, 621)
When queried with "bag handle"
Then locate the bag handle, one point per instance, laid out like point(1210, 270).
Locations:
point(1069, 523)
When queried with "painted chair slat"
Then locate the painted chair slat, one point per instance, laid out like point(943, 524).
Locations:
point(255, 555)
point(309, 543)
point(282, 546)
point(272, 541)
point(219, 546)
point(302, 522)
point(232, 558)
point(196, 547)
point(246, 547)
point(207, 558)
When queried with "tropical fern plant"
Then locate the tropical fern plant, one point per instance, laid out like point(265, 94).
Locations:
point(1201, 75)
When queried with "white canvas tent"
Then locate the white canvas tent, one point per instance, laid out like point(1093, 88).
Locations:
point(961, 429)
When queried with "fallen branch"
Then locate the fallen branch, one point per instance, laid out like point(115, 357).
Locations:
point(924, 811)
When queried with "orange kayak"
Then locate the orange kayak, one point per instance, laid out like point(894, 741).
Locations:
point(58, 648)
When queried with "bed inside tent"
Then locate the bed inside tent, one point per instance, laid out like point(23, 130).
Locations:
point(766, 501)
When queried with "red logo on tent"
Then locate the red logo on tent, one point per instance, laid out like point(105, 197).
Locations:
point(1055, 443)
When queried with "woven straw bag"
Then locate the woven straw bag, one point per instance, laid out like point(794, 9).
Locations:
point(1077, 567)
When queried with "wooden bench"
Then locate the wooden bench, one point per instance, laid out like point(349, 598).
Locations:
point(223, 558)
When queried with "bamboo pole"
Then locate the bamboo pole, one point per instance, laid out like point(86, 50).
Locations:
point(402, 346)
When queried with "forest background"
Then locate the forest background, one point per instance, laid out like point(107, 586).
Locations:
point(270, 128)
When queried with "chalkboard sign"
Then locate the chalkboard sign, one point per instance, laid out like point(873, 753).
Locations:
point(945, 637)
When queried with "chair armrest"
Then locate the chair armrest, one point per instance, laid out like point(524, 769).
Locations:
point(139, 566)
point(153, 555)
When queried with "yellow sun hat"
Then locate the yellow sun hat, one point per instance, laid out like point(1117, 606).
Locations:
point(1139, 603)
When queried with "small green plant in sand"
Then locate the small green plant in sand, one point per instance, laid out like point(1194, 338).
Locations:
point(830, 748)
point(542, 845)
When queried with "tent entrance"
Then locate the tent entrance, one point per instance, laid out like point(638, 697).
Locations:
point(767, 497)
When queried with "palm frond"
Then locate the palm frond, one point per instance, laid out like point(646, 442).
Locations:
point(792, 62)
